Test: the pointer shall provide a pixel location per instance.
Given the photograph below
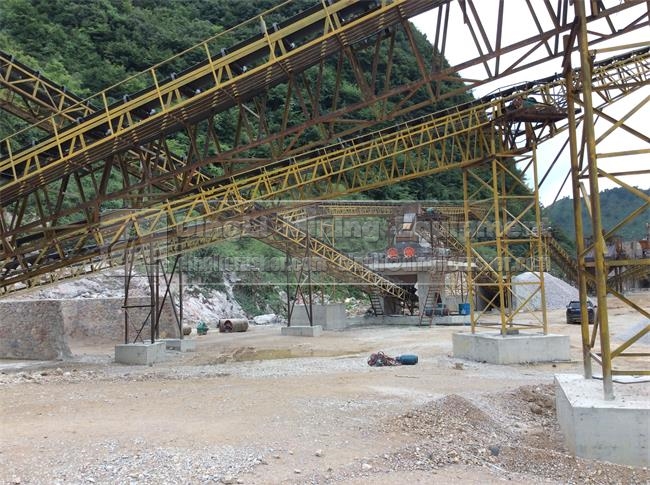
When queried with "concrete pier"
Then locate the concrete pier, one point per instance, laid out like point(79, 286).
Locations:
point(451, 320)
point(617, 431)
point(180, 345)
point(511, 349)
point(330, 317)
point(140, 353)
point(302, 331)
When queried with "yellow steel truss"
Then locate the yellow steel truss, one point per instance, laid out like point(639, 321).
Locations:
point(460, 138)
point(287, 237)
point(511, 245)
point(137, 191)
point(32, 97)
point(173, 100)
point(335, 262)
point(387, 98)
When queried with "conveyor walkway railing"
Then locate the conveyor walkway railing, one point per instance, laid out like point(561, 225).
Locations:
point(460, 137)
point(220, 81)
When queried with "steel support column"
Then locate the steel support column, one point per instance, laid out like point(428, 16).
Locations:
point(600, 268)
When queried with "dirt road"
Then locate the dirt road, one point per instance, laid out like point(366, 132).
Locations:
point(259, 408)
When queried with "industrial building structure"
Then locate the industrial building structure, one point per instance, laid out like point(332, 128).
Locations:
point(171, 204)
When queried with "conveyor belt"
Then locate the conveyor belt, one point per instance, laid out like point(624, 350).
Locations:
point(457, 138)
point(40, 97)
point(635, 68)
point(287, 237)
point(31, 96)
point(563, 259)
point(374, 161)
point(561, 24)
point(337, 264)
point(133, 122)
point(631, 273)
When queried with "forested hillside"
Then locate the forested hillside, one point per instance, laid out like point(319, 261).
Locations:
point(615, 205)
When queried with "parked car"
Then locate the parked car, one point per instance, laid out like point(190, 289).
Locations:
point(573, 312)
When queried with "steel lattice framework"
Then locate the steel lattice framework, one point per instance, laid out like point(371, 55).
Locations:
point(600, 102)
point(458, 138)
point(46, 237)
point(279, 232)
point(381, 95)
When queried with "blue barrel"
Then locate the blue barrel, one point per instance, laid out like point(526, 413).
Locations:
point(407, 359)
point(463, 308)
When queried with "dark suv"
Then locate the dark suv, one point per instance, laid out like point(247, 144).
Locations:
point(573, 312)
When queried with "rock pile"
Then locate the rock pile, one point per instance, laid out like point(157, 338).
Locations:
point(200, 303)
point(558, 293)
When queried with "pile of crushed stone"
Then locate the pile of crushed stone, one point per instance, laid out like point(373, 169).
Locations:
point(558, 292)
point(510, 434)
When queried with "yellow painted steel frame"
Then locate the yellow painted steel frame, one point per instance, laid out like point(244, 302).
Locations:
point(598, 346)
point(168, 103)
point(292, 238)
point(564, 260)
point(457, 139)
point(32, 97)
point(142, 193)
point(508, 58)
point(436, 143)
point(511, 245)
point(336, 262)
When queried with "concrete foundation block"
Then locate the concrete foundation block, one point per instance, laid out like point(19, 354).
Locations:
point(617, 431)
point(180, 345)
point(451, 320)
point(511, 349)
point(330, 317)
point(302, 331)
point(140, 353)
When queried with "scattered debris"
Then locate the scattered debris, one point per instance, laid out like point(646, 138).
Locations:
point(380, 359)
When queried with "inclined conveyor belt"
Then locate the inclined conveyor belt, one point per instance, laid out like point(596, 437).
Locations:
point(132, 122)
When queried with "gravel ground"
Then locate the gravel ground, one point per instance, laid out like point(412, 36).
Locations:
point(264, 409)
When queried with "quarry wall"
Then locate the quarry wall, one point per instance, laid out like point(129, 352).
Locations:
point(41, 329)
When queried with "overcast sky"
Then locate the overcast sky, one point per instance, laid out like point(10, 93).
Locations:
point(460, 48)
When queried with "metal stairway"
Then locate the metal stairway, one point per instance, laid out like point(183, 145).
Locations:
point(376, 303)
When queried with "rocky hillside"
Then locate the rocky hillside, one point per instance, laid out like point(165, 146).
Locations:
point(200, 303)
